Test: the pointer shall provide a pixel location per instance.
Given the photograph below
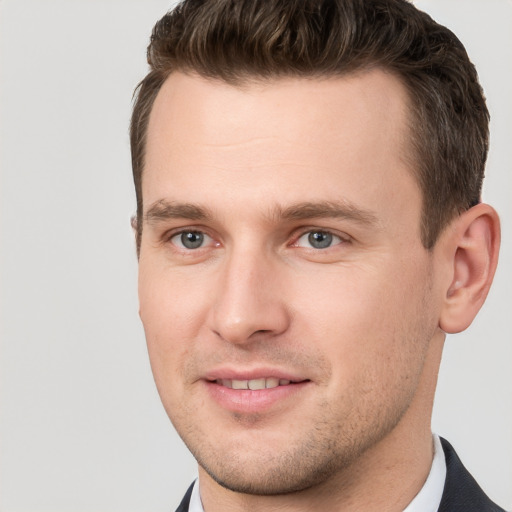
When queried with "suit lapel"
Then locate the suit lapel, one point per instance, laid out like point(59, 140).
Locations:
point(183, 506)
point(461, 492)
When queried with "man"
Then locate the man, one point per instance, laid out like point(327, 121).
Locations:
point(309, 228)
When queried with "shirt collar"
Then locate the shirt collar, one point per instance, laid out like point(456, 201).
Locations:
point(195, 499)
point(429, 497)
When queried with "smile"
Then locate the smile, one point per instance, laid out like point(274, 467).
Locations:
point(255, 390)
point(254, 384)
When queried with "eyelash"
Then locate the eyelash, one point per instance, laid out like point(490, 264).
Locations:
point(332, 237)
point(169, 237)
point(342, 238)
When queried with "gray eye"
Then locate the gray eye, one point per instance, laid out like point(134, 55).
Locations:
point(189, 239)
point(320, 239)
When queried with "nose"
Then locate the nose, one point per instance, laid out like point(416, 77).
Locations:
point(249, 303)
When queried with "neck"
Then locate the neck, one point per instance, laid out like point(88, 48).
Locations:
point(385, 478)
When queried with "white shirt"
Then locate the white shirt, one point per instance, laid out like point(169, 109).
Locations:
point(427, 500)
point(429, 497)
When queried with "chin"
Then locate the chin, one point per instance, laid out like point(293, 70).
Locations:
point(267, 470)
point(270, 481)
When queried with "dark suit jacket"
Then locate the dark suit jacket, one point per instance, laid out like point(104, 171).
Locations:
point(461, 492)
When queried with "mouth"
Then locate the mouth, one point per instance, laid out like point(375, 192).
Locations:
point(256, 394)
point(255, 384)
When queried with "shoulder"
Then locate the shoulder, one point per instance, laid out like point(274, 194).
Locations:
point(461, 491)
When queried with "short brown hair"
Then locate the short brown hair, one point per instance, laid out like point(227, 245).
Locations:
point(236, 40)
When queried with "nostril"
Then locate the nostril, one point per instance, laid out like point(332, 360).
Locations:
point(261, 331)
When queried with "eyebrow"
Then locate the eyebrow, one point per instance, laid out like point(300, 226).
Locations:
point(327, 209)
point(163, 210)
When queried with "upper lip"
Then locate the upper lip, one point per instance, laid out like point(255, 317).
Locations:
point(257, 373)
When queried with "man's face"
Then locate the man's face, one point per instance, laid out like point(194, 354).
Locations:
point(281, 250)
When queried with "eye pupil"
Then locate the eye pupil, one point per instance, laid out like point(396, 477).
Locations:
point(192, 239)
point(320, 239)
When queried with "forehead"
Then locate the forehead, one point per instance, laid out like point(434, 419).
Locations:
point(291, 139)
point(190, 108)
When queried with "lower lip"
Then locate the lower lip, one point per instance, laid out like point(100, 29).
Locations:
point(247, 401)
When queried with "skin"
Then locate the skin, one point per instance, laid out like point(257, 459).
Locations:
point(361, 323)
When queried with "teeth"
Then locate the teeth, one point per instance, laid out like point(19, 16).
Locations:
point(240, 384)
point(272, 382)
point(253, 384)
point(256, 384)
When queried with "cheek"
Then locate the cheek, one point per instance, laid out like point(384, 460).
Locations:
point(368, 318)
point(171, 313)
point(171, 304)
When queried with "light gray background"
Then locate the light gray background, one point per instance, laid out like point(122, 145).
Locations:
point(81, 425)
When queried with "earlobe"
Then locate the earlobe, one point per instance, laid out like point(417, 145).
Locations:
point(133, 223)
point(474, 246)
point(135, 227)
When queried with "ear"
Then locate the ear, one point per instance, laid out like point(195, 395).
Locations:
point(135, 227)
point(473, 244)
